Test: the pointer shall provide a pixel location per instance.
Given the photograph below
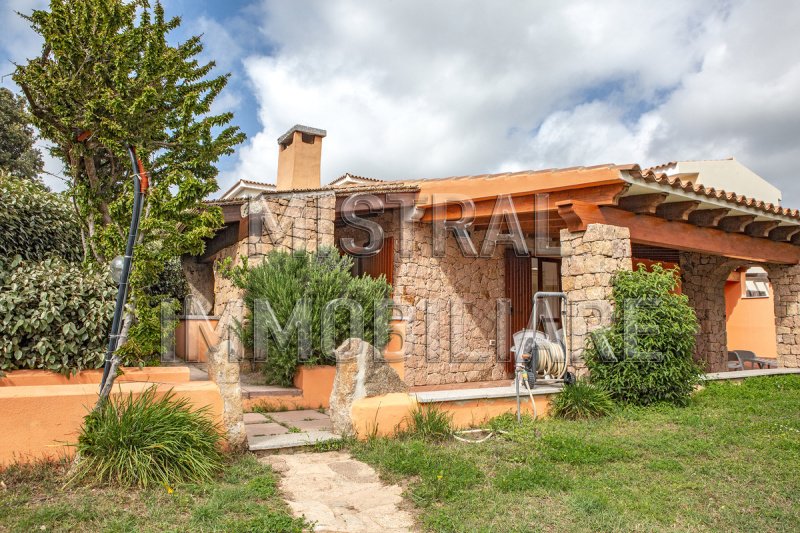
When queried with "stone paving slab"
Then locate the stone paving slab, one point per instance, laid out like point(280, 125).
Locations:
point(338, 493)
point(292, 417)
point(313, 425)
point(289, 440)
point(255, 418)
point(265, 430)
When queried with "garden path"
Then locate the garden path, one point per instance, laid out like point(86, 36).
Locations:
point(339, 493)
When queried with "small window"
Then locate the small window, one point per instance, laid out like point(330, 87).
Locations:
point(756, 288)
point(307, 138)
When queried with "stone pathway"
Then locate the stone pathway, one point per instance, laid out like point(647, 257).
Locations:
point(287, 429)
point(338, 493)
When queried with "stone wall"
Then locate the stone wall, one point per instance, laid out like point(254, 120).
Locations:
point(200, 278)
point(589, 260)
point(454, 303)
point(786, 287)
point(450, 303)
point(703, 282)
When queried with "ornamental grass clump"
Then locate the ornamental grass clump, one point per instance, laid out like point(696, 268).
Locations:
point(581, 401)
point(147, 440)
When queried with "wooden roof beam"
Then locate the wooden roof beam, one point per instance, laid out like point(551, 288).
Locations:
point(783, 233)
point(761, 228)
point(655, 231)
point(708, 218)
point(642, 204)
point(677, 210)
point(736, 223)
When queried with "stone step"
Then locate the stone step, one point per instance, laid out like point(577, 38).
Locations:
point(262, 391)
point(288, 441)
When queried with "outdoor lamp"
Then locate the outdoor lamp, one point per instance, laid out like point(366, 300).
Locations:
point(116, 268)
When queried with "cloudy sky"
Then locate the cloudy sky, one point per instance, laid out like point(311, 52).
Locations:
point(412, 89)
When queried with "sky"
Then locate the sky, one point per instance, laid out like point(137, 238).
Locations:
point(417, 89)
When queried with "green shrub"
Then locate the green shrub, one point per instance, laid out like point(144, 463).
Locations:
point(284, 280)
point(581, 401)
point(146, 441)
point(36, 223)
point(429, 422)
point(53, 315)
point(658, 366)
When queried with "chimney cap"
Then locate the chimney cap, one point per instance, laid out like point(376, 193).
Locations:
point(302, 129)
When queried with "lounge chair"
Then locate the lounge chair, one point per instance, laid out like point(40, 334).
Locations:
point(746, 356)
point(734, 361)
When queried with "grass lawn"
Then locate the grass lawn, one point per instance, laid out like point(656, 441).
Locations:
point(729, 461)
point(244, 499)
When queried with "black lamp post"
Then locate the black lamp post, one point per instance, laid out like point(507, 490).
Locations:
point(121, 266)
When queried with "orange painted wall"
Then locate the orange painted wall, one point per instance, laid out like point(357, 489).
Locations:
point(750, 321)
point(385, 415)
point(193, 337)
point(154, 374)
point(39, 421)
point(316, 384)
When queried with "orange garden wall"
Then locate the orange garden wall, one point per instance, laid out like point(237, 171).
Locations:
point(41, 417)
point(315, 384)
point(385, 415)
point(750, 321)
point(194, 336)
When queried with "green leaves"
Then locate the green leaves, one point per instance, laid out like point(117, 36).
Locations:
point(652, 338)
point(107, 67)
point(285, 279)
point(35, 223)
point(53, 315)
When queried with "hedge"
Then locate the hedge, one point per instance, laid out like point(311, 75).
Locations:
point(53, 315)
point(36, 223)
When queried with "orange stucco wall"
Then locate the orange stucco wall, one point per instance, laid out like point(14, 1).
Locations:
point(316, 384)
point(386, 415)
point(193, 337)
point(750, 321)
point(39, 421)
point(155, 374)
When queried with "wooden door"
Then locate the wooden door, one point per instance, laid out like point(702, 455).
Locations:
point(380, 263)
point(519, 290)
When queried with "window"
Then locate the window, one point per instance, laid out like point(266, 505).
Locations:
point(756, 283)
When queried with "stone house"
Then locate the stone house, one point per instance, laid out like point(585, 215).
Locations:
point(465, 254)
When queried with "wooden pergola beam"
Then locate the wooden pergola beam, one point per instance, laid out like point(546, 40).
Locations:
point(708, 218)
point(736, 223)
point(783, 233)
point(655, 231)
point(677, 210)
point(761, 228)
point(642, 204)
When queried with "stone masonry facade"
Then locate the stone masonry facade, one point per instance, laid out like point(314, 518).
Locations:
point(786, 289)
point(589, 261)
point(450, 304)
point(703, 282)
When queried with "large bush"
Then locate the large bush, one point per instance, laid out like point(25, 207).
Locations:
point(646, 355)
point(148, 441)
point(36, 223)
point(53, 315)
point(284, 280)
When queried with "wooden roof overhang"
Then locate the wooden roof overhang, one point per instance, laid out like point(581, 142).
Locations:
point(657, 213)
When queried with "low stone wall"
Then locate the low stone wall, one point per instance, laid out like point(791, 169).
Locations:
point(41, 421)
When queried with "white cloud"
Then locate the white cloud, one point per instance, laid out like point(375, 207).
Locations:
point(410, 89)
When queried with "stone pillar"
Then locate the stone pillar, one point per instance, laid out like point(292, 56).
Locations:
point(785, 281)
point(703, 282)
point(223, 369)
point(590, 259)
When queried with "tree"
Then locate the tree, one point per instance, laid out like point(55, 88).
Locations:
point(18, 156)
point(107, 72)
